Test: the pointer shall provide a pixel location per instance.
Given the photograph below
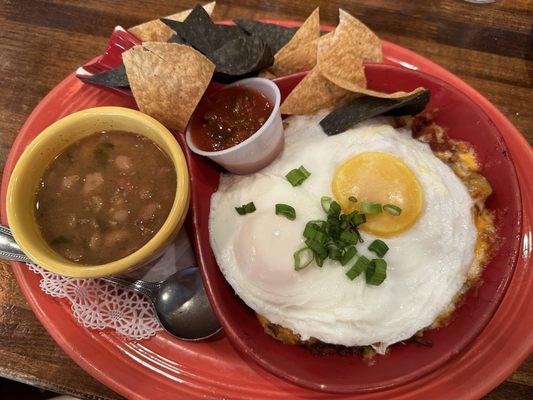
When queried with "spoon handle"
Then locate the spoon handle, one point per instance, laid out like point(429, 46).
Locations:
point(9, 249)
point(147, 288)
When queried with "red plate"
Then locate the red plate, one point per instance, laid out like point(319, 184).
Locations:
point(162, 367)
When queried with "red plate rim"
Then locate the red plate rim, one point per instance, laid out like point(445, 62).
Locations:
point(492, 372)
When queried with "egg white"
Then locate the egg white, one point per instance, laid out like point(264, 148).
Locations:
point(427, 264)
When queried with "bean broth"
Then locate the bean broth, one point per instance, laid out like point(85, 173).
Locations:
point(105, 196)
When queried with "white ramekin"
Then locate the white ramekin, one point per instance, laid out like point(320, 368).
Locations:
point(262, 147)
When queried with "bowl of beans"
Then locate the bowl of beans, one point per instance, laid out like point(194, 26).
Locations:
point(100, 192)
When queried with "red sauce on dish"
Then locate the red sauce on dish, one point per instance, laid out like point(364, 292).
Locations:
point(228, 117)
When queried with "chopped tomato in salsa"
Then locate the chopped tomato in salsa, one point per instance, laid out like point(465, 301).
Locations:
point(228, 117)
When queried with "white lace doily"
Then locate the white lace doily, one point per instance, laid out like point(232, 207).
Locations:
point(97, 304)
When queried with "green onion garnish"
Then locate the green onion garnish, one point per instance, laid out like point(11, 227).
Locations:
point(286, 211)
point(334, 209)
point(349, 253)
point(318, 248)
point(376, 272)
point(336, 238)
point(353, 199)
point(369, 208)
point(325, 201)
point(360, 265)
point(302, 258)
point(333, 228)
point(358, 219)
point(351, 237)
point(379, 247)
point(246, 208)
point(334, 252)
point(297, 176)
point(311, 231)
point(392, 209)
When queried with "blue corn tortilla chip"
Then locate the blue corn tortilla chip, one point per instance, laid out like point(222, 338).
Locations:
point(176, 39)
point(197, 30)
point(200, 32)
point(365, 107)
point(113, 78)
point(235, 53)
point(230, 32)
point(241, 57)
point(276, 36)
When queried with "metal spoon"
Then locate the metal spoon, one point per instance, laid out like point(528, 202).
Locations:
point(180, 300)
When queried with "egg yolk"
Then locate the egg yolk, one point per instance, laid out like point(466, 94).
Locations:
point(379, 178)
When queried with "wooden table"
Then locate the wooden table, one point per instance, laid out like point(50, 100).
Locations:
point(41, 41)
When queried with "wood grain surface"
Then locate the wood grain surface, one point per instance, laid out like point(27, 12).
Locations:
point(41, 41)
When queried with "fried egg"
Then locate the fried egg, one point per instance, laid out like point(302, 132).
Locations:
point(431, 244)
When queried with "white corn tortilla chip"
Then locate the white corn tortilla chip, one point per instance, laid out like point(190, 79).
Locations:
point(167, 80)
point(309, 31)
point(314, 93)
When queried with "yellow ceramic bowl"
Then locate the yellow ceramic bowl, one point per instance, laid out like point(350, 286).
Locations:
point(20, 202)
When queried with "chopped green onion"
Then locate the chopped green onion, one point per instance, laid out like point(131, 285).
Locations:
point(317, 247)
point(348, 217)
point(369, 208)
point(320, 225)
point(343, 225)
point(392, 209)
point(353, 199)
point(325, 201)
point(286, 211)
point(351, 237)
point(319, 260)
point(360, 265)
point(246, 208)
point(334, 209)
point(333, 228)
point(310, 232)
point(379, 247)
point(358, 219)
point(297, 175)
point(376, 272)
point(348, 254)
point(302, 258)
point(334, 252)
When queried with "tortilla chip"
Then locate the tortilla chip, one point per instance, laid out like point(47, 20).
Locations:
point(200, 32)
point(314, 93)
point(395, 95)
point(156, 31)
point(240, 57)
point(309, 31)
point(340, 62)
point(301, 59)
point(111, 78)
point(167, 80)
point(362, 38)
point(304, 58)
point(266, 74)
point(365, 107)
point(276, 36)
point(340, 59)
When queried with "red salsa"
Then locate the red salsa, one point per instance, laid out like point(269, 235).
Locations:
point(228, 117)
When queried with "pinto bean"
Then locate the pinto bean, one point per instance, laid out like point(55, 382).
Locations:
point(69, 181)
point(92, 182)
point(116, 236)
point(123, 163)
